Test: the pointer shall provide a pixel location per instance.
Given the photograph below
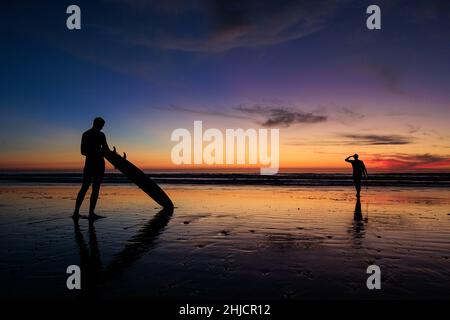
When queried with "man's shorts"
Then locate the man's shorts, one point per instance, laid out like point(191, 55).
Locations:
point(94, 169)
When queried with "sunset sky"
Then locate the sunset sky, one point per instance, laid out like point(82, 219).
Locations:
point(311, 69)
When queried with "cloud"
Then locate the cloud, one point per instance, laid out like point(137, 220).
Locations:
point(274, 116)
point(220, 25)
point(410, 161)
point(406, 114)
point(349, 113)
point(376, 139)
point(351, 139)
point(413, 128)
point(347, 116)
point(264, 115)
point(214, 113)
point(163, 41)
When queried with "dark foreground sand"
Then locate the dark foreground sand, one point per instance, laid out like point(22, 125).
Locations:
point(227, 242)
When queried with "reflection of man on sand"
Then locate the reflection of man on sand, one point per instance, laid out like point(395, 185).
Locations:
point(359, 170)
point(93, 147)
point(93, 274)
point(90, 261)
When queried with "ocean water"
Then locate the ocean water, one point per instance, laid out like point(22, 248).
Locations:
point(282, 179)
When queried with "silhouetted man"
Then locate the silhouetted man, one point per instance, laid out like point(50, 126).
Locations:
point(93, 147)
point(359, 170)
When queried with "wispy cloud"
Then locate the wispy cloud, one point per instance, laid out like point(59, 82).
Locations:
point(198, 111)
point(350, 139)
point(405, 161)
point(347, 115)
point(221, 25)
point(376, 139)
point(264, 115)
point(161, 40)
point(274, 116)
point(413, 128)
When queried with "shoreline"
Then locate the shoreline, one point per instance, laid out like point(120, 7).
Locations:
point(421, 180)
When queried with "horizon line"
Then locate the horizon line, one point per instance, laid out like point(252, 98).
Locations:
point(231, 170)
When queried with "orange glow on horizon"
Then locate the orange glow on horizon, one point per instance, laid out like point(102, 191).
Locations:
point(294, 159)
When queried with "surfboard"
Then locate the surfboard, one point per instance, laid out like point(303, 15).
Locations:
point(138, 177)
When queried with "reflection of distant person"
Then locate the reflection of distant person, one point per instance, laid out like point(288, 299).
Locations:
point(93, 147)
point(358, 225)
point(359, 170)
point(358, 212)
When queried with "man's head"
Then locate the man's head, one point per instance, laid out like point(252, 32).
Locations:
point(98, 123)
point(356, 156)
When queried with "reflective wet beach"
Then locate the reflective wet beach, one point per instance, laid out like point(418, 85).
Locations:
point(221, 242)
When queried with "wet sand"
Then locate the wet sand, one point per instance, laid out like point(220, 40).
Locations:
point(227, 242)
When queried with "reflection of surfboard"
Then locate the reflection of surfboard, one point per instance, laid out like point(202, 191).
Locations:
point(139, 178)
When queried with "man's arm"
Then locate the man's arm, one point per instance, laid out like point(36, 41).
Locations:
point(364, 170)
point(105, 146)
point(348, 159)
point(83, 145)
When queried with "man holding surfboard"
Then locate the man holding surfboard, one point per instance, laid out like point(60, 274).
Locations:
point(93, 147)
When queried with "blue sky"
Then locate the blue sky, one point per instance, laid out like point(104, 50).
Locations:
point(148, 67)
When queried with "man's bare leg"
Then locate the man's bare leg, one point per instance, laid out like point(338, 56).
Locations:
point(80, 198)
point(358, 188)
point(93, 200)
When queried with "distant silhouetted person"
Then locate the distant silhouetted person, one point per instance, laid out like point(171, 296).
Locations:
point(93, 147)
point(359, 170)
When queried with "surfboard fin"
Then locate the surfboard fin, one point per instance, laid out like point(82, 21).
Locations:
point(124, 155)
